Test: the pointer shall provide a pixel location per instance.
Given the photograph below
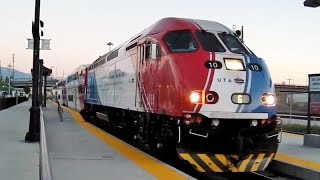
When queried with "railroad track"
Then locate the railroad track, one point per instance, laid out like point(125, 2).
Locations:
point(188, 169)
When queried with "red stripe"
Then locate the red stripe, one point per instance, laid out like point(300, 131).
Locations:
point(211, 75)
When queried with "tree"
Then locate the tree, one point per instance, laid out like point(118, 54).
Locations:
point(26, 89)
point(6, 80)
point(3, 86)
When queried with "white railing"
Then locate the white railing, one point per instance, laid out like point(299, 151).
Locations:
point(45, 170)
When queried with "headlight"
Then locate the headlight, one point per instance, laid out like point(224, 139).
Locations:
point(195, 97)
point(234, 64)
point(269, 100)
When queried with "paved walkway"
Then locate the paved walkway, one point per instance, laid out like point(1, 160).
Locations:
point(79, 150)
point(18, 160)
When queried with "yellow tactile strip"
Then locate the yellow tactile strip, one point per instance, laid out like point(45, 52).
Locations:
point(297, 161)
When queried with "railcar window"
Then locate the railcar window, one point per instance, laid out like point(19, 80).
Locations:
point(114, 54)
point(209, 42)
point(180, 41)
point(70, 98)
point(233, 43)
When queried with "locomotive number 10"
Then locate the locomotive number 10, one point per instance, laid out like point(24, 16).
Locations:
point(254, 67)
point(213, 64)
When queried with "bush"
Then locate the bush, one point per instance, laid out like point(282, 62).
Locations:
point(300, 128)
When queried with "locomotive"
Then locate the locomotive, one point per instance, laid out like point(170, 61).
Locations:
point(186, 84)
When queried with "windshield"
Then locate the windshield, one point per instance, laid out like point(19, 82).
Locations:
point(209, 42)
point(233, 44)
point(180, 41)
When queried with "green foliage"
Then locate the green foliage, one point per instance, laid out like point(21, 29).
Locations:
point(300, 128)
point(26, 89)
point(3, 86)
point(6, 80)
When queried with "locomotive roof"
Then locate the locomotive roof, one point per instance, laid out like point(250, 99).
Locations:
point(170, 24)
point(174, 23)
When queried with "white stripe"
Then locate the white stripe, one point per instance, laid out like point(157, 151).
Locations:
point(194, 24)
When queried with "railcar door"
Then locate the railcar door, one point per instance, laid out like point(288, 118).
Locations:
point(148, 75)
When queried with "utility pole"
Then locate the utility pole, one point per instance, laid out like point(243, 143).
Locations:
point(9, 79)
point(13, 67)
point(289, 79)
point(34, 125)
point(291, 98)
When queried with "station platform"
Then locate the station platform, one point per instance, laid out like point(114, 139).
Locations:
point(18, 159)
point(295, 159)
point(79, 150)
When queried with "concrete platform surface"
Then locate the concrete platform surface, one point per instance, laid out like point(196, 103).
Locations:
point(292, 145)
point(18, 159)
point(79, 150)
point(297, 160)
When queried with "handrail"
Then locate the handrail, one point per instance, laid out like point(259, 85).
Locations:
point(301, 117)
point(45, 169)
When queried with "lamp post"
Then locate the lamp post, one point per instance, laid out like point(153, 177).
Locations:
point(34, 125)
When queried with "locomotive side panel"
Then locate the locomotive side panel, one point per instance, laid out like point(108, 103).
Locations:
point(113, 84)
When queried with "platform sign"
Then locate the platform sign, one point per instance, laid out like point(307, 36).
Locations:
point(44, 44)
point(314, 84)
point(315, 103)
point(313, 98)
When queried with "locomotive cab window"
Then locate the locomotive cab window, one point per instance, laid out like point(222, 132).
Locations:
point(151, 51)
point(180, 41)
point(148, 51)
point(233, 43)
point(209, 42)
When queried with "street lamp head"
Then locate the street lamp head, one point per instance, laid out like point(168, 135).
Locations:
point(311, 3)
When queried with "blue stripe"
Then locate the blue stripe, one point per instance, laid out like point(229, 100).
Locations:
point(260, 81)
point(246, 81)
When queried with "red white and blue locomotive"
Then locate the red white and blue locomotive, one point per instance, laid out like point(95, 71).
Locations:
point(188, 84)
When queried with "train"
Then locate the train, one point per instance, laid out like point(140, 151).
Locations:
point(185, 84)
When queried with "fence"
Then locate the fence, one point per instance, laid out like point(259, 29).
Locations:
point(6, 102)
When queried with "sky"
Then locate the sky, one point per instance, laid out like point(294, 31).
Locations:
point(284, 33)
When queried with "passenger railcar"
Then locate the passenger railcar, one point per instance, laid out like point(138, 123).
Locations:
point(75, 88)
point(192, 85)
point(59, 92)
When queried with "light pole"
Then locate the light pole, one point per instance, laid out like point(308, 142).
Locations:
point(110, 44)
point(51, 73)
point(33, 135)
